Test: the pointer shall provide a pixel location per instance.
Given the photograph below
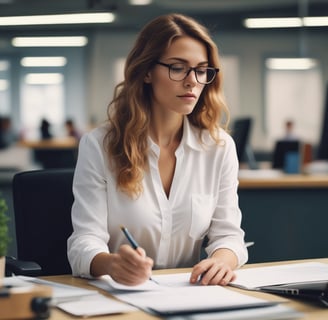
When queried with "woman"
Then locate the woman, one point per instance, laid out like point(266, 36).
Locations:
point(161, 166)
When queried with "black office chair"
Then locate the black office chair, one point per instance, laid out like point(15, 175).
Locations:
point(42, 204)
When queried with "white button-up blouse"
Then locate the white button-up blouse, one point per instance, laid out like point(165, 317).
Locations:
point(203, 201)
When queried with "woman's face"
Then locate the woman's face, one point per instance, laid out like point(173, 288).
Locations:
point(178, 96)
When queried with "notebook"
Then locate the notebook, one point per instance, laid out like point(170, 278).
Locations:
point(316, 290)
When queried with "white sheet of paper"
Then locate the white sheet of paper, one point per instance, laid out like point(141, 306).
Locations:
point(277, 312)
point(173, 280)
point(173, 293)
point(191, 298)
point(108, 284)
point(60, 292)
point(272, 275)
point(94, 306)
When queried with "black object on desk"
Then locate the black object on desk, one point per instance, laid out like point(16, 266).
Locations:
point(315, 291)
point(282, 148)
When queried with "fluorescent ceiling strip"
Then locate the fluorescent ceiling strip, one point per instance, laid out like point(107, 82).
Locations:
point(75, 41)
point(315, 21)
point(43, 61)
point(74, 18)
point(140, 2)
point(290, 63)
point(273, 22)
point(43, 78)
point(292, 22)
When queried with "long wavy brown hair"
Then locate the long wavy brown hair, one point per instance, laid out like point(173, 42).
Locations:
point(129, 113)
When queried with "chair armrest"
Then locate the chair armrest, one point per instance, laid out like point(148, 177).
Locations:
point(23, 268)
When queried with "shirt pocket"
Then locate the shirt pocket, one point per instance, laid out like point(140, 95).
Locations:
point(202, 207)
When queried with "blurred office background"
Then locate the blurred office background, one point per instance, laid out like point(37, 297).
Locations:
point(79, 82)
point(73, 77)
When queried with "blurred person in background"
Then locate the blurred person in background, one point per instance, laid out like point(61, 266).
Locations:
point(71, 129)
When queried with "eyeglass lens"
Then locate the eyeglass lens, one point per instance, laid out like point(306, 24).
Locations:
point(179, 72)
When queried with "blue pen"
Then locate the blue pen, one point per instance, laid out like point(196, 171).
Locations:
point(133, 242)
point(128, 235)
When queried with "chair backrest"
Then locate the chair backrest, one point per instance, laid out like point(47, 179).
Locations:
point(42, 204)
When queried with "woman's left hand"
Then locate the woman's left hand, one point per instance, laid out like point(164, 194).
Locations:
point(213, 271)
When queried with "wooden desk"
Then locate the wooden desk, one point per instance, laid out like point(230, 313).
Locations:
point(54, 143)
point(284, 181)
point(311, 311)
point(53, 153)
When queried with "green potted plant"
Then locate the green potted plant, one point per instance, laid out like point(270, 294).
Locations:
point(4, 236)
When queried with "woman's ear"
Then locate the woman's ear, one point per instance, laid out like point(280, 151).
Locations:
point(147, 78)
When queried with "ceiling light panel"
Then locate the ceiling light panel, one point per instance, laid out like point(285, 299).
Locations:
point(73, 41)
point(140, 2)
point(43, 61)
point(55, 19)
point(315, 21)
point(290, 63)
point(292, 22)
point(43, 78)
point(273, 22)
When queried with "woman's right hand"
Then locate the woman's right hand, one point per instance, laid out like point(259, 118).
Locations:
point(127, 266)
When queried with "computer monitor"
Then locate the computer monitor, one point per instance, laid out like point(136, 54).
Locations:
point(241, 131)
point(281, 149)
point(322, 153)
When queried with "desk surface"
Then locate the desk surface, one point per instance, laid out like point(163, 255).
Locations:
point(249, 181)
point(54, 143)
point(310, 311)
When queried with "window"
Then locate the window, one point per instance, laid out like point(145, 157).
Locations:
point(41, 101)
point(4, 87)
point(230, 69)
point(295, 95)
point(42, 95)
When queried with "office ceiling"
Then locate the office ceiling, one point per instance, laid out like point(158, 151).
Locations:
point(221, 14)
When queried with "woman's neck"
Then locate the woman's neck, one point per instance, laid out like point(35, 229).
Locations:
point(166, 131)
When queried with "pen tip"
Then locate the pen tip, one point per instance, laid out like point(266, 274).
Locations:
point(122, 227)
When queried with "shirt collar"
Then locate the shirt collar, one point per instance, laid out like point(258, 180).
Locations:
point(190, 138)
point(193, 139)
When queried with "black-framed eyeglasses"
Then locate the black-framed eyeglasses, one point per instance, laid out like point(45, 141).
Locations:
point(180, 71)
